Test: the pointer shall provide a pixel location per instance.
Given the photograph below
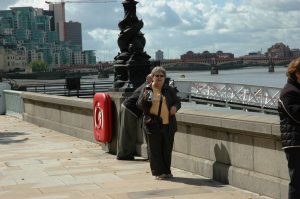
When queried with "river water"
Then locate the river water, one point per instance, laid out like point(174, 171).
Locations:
point(258, 76)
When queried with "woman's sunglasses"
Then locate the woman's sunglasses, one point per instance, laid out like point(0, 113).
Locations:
point(158, 75)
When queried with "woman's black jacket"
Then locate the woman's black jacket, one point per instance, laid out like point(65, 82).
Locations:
point(289, 113)
point(171, 99)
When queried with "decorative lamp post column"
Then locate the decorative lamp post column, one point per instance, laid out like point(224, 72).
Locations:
point(132, 64)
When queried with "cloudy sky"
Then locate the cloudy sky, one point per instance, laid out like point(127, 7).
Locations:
point(177, 26)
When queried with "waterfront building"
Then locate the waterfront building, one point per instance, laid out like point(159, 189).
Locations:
point(28, 34)
point(85, 57)
point(190, 55)
point(2, 59)
point(159, 55)
point(295, 52)
point(11, 60)
point(89, 57)
point(279, 50)
point(73, 33)
point(57, 10)
point(77, 58)
point(221, 55)
point(255, 55)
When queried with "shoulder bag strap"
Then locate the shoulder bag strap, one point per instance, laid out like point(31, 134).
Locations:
point(160, 102)
point(279, 100)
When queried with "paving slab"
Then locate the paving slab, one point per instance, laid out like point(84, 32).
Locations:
point(38, 163)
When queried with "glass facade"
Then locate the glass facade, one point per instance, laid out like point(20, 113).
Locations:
point(31, 33)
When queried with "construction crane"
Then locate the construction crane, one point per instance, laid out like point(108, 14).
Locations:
point(87, 1)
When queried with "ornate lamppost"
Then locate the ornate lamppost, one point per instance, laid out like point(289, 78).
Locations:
point(132, 64)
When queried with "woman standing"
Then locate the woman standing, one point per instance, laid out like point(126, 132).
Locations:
point(159, 103)
point(289, 113)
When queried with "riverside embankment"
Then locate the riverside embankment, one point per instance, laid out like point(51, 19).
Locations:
point(242, 150)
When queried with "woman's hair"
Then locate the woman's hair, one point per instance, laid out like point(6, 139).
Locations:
point(158, 69)
point(293, 67)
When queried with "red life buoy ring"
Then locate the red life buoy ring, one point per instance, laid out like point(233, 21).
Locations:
point(102, 117)
point(98, 115)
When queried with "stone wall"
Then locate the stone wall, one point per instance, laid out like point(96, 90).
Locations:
point(243, 150)
point(68, 115)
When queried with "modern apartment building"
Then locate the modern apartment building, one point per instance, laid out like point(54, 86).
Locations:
point(57, 10)
point(73, 33)
point(89, 56)
point(28, 34)
point(159, 55)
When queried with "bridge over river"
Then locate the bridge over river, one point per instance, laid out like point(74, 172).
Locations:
point(182, 63)
point(226, 61)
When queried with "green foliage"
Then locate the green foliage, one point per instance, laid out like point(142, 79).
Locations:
point(38, 66)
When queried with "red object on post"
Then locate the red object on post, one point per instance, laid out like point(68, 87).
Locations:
point(102, 117)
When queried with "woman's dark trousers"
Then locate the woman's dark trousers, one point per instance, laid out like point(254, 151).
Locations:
point(293, 157)
point(160, 145)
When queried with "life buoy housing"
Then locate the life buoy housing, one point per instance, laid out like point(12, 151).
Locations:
point(102, 117)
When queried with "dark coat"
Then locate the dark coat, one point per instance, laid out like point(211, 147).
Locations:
point(131, 102)
point(171, 99)
point(289, 113)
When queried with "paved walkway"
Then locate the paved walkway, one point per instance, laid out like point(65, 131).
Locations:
point(39, 163)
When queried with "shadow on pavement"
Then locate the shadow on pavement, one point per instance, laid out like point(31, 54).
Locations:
point(195, 181)
point(8, 137)
point(170, 192)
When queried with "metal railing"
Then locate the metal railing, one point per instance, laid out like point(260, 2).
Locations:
point(86, 89)
point(241, 96)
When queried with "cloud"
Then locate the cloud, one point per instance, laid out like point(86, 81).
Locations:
point(177, 26)
point(278, 5)
point(158, 14)
point(105, 37)
point(95, 15)
point(25, 3)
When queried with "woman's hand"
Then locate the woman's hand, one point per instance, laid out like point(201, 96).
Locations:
point(149, 78)
point(173, 110)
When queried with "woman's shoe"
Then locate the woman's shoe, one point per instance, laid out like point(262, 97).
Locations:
point(125, 158)
point(161, 177)
point(170, 175)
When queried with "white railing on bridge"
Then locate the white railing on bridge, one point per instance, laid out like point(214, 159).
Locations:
point(242, 96)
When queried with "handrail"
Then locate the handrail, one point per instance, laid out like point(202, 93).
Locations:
point(241, 96)
point(86, 89)
point(249, 97)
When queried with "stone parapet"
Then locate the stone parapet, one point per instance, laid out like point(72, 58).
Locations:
point(243, 150)
point(68, 115)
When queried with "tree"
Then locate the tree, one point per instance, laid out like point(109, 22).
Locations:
point(38, 66)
